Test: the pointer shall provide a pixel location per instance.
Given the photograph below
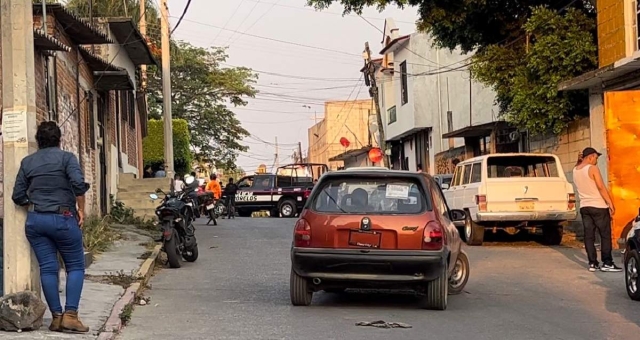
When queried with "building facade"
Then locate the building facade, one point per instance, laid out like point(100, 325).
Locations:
point(342, 119)
point(613, 117)
point(92, 94)
point(425, 92)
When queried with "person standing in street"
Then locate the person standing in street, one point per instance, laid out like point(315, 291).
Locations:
point(50, 184)
point(230, 190)
point(596, 209)
point(214, 186)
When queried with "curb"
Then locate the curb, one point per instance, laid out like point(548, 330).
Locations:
point(113, 325)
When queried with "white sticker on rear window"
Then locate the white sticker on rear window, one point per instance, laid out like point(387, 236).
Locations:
point(397, 191)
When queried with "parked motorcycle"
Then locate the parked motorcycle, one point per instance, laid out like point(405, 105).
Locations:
point(207, 205)
point(176, 214)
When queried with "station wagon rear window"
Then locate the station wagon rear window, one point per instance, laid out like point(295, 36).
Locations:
point(522, 166)
point(370, 195)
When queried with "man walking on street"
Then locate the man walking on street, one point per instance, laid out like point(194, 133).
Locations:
point(596, 208)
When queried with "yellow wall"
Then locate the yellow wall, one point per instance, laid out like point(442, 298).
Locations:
point(611, 31)
point(341, 119)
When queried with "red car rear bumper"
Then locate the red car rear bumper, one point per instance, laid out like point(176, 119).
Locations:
point(368, 264)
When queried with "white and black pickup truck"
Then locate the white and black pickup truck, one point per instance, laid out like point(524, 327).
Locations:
point(283, 194)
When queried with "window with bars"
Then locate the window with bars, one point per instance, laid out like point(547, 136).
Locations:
point(392, 114)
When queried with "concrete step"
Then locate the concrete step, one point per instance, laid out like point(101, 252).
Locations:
point(140, 204)
point(144, 187)
point(157, 182)
point(146, 213)
point(134, 195)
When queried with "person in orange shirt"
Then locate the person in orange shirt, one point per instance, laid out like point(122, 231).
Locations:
point(214, 187)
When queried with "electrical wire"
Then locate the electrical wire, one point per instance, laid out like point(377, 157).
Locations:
point(259, 18)
point(227, 22)
point(186, 8)
point(245, 19)
point(277, 40)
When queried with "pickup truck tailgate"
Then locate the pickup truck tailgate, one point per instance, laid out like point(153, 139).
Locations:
point(526, 194)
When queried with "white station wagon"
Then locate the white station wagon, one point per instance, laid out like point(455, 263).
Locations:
point(512, 192)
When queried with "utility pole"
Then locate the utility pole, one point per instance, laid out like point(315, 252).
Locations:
point(370, 74)
point(18, 133)
point(143, 31)
point(299, 152)
point(166, 89)
point(276, 160)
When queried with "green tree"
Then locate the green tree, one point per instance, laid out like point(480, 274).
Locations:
point(201, 90)
point(523, 48)
point(153, 145)
point(526, 79)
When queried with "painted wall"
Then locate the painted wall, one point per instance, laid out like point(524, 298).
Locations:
point(611, 31)
point(349, 119)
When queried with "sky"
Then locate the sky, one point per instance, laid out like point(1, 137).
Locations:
point(303, 58)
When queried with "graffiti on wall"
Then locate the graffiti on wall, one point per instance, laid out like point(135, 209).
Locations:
point(444, 160)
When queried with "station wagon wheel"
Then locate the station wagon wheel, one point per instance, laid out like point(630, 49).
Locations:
point(473, 232)
point(552, 235)
point(301, 294)
point(460, 274)
point(632, 269)
point(288, 208)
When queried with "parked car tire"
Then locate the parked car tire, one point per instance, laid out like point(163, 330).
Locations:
point(552, 235)
point(173, 253)
point(473, 232)
point(288, 208)
point(438, 291)
point(631, 272)
point(194, 255)
point(460, 276)
point(299, 290)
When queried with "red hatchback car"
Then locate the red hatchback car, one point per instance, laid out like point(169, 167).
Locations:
point(378, 228)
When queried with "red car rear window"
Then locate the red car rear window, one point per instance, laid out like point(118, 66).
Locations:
point(370, 195)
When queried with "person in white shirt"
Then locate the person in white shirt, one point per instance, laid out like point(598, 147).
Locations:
point(596, 209)
point(178, 184)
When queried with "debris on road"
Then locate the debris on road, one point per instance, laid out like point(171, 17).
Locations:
point(383, 324)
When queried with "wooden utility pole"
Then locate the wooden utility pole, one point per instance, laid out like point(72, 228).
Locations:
point(166, 89)
point(143, 31)
point(299, 152)
point(276, 160)
point(18, 138)
point(370, 73)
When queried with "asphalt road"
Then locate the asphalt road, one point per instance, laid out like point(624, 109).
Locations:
point(239, 289)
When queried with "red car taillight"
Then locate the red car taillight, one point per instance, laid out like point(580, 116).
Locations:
point(307, 193)
point(302, 234)
point(571, 202)
point(481, 201)
point(432, 237)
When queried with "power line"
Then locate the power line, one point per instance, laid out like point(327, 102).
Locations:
point(245, 19)
point(260, 17)
point(276, 40)
point(227, 22)
point(186, 8)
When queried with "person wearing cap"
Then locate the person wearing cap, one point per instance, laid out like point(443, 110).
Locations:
point(596, 209)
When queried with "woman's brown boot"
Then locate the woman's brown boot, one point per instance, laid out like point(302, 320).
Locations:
point(70, 322)
point(56, 322)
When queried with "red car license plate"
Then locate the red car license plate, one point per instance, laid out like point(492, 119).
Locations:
point(365, 239)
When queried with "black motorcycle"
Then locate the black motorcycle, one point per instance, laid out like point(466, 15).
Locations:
point(176, 214)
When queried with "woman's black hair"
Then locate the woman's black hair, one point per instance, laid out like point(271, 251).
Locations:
point(48, 135)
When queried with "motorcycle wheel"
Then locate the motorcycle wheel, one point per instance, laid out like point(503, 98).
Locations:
point(173, 253)
point(191, 257)
point(212, 217)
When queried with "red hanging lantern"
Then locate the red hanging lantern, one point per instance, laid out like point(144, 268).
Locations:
point(375, 155)
point(344, 142)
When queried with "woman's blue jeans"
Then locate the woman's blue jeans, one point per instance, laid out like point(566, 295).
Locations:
point(49, 234)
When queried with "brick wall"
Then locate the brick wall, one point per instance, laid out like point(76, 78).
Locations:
point(611, 31)
point(444, 159)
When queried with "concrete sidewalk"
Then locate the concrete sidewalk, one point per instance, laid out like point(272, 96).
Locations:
point(98, 296)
